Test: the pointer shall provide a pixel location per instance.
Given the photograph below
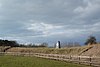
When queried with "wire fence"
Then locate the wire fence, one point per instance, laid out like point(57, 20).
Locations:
point(87, 60)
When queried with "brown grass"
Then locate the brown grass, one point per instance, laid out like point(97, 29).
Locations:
point(67, 51)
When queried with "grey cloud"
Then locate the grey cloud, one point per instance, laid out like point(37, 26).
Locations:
point(39, 10)
point(77, 18)
point(90, 13)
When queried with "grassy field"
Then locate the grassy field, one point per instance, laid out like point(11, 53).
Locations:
point(16, 61)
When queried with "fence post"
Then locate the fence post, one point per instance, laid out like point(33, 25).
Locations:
point(70, 58)
point(90, 60)
point(79, 59)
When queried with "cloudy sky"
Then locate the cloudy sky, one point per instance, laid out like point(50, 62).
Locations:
point(36, 21)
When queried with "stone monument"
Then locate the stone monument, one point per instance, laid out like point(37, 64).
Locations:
point(58, 44)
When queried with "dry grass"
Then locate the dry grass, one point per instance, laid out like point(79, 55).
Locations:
point(95, 51)
point(2, 48)
point(68, 51)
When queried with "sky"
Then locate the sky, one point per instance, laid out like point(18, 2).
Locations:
point(37, 21)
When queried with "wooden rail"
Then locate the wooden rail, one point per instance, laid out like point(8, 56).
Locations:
point(92, 61)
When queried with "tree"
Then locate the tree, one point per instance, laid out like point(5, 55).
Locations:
point(8, 43)
point(91, 40)
point(43, 44)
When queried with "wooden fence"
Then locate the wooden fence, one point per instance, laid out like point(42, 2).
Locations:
point(87, 60)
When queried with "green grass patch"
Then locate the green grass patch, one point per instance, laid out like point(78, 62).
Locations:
point(18, 61)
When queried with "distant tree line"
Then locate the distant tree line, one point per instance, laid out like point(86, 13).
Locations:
point(90, 40)
point(15, 44)
point(8, 43)
point(70, 44)
point(34, 45)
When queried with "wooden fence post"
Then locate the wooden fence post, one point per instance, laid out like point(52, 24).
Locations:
point(79, 59)
point(70, 58)
point(90, 60)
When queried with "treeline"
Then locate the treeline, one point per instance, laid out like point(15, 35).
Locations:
point(15, 44)
point(90, 40)
point(8, 43)
point(70, 44)
point(34, 45)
